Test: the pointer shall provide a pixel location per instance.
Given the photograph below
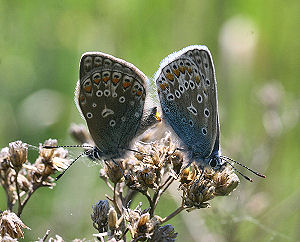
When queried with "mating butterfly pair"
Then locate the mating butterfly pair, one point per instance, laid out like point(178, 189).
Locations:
point(111, 93)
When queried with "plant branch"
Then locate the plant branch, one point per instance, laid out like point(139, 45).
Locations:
point(177, 211)
point(115, 199)
point(18, 194)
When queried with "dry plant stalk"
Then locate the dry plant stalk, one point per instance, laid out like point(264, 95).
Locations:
point(150, 172)
point(153, 168)
point(20, 179)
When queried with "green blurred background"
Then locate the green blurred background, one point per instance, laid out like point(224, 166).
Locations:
point(256, 50)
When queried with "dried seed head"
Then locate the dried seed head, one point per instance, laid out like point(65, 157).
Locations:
point(146, 176)
point(176, 159)
point(164, 233)
point(198, 193)
point(17, 154)
point(225, 181)
point(114, 171)
point(47, 154)
point(51, 160)
point(112, 219)
point(142, 227)
point(12, 225)
point(81, 134)
point(4, 159)
point(100, 215)
point(188, 175)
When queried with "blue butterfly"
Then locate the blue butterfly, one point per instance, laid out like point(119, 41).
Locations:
point(187, 89)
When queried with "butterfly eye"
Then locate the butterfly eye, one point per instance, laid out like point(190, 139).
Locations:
point(213, 162)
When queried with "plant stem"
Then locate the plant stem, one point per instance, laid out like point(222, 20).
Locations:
point(18, 194)
point(115, 200)
point(177, 211)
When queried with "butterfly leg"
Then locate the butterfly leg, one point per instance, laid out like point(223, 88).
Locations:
point(106, 162)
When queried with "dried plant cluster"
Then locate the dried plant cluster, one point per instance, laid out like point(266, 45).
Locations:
point(149, 171)
point(20, 179)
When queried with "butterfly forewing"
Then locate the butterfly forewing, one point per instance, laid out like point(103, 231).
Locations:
point(187, 91)
point(111, 96)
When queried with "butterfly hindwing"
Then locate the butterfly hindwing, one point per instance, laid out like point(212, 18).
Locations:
point(186, 86)
point(110, 95)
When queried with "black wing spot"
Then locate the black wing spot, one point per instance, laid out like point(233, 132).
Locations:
point(177, 94)
point(170, 97)
point(199, 98)
point(206, 112)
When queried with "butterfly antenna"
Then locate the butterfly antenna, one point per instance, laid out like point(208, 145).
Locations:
point(32, 147)
point(61, 174)
point(136, 151)
point(246, 177)
point(67, 146)
point(240, 164)
point(116, 165)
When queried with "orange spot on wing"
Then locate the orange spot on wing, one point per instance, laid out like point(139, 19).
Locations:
point(105, 79)
point(115, 80)
point(182, 69)
point(139, 93)
point(88, 88)
point(176, 72)
point(197, 79)
point(97, 80)
point(189, 70)
point(170, 76)
point(82, 98)
point(163, 87)
point(126, 84)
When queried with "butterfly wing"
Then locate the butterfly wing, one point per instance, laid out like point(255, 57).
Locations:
point(187, 91)
point(110, 96)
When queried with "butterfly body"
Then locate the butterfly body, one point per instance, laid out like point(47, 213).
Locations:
point(187, 91)
point(110, 95)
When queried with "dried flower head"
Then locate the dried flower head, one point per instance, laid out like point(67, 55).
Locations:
point(7, 238)
point(12, 225)
point(4, 159)
point(112, 219)
point(80, 134)
point(100, 215)
point(51, 160)
point(225, 181)
point(198, 193)
point(139, 225)
point(164, 233)
point(17, 154)
point(114, 170)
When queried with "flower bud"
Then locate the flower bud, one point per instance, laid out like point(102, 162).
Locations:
point(18, 154)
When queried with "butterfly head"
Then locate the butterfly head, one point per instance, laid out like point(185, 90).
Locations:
point(213, 161)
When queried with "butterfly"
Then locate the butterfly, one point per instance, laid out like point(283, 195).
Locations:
point(110, 95)
point(187, 90)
